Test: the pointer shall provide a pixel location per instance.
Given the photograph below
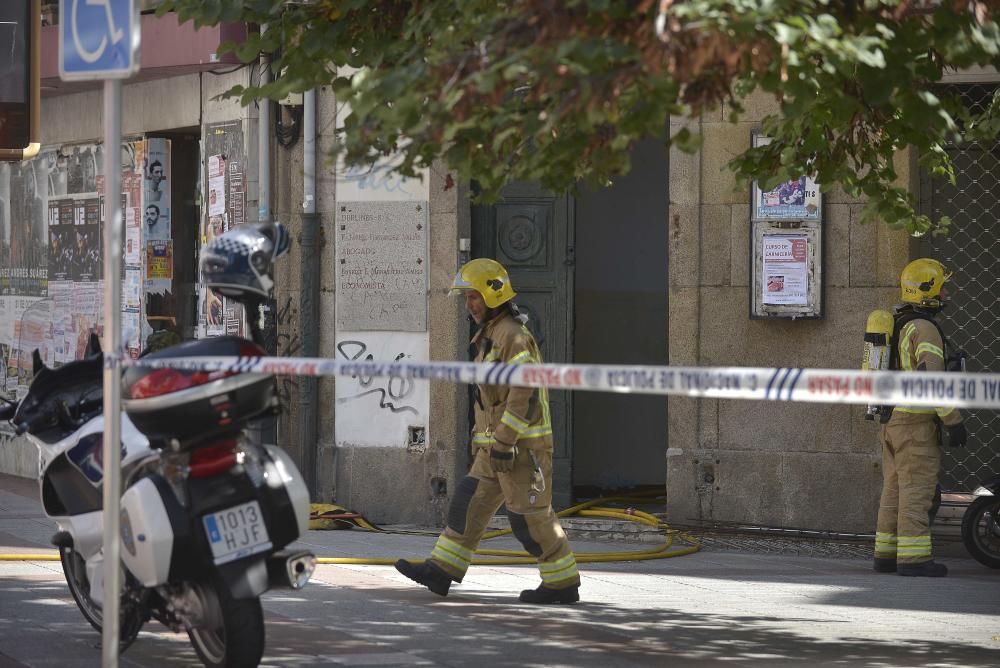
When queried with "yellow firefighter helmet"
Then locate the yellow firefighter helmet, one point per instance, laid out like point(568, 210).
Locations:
point(921, 281)
point(488, 278)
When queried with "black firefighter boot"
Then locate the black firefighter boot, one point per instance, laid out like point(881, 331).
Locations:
point(547, 595)
point(926, 569)
point(885, 565)
point(426, 574)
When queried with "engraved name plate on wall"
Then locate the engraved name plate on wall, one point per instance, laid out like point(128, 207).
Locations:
point(382, 266)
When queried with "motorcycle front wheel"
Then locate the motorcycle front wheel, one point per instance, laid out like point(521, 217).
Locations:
point(231, 633)
point(75, 570)
point(981, 530)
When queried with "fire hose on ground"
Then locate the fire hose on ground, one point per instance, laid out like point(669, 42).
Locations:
point(338, 517)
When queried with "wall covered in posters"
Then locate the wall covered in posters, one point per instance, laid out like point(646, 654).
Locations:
point(156, 216)
point(224, 199)
point(51, 262)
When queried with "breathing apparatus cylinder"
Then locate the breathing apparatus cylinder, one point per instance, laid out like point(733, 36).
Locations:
point(878, 348)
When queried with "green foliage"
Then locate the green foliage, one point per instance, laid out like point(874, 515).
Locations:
point(557, 92)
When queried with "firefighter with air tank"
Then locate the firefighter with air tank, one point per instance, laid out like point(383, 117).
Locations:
point(512, 464)
point(910, 339)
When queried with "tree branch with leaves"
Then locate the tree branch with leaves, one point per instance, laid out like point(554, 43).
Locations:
point(558, 92)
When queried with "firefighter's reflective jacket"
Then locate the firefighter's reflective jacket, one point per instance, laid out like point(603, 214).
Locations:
point(505, 414)
point(921, 348)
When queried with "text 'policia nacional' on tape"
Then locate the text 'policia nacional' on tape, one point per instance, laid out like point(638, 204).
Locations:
point(962, 390)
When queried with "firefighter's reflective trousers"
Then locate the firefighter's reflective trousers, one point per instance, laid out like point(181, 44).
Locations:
point(527, 491)
point(911, 458)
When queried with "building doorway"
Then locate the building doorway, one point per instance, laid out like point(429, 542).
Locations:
point(620, 303)
point(591, 271)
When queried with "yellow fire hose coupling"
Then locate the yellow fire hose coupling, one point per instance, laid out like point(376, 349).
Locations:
point(331, 516)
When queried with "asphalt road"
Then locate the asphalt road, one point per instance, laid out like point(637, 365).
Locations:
point(709, 608)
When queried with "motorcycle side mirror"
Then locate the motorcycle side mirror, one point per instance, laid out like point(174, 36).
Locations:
point(93, 345)
point(36, 362)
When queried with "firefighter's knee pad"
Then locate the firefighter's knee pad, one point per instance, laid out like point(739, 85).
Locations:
point(519, 526)
point(539, 533)
point(458, 511)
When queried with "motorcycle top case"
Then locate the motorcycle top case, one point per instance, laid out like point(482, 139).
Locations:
point(169, 404)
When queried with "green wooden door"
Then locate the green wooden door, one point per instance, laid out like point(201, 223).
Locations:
point(530, 232)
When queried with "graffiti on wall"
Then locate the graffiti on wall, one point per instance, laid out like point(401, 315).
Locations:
point(391, 391)
point(381, 412)
point(288, 345)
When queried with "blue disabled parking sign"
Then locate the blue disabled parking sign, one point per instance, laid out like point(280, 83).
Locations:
point(98, 39)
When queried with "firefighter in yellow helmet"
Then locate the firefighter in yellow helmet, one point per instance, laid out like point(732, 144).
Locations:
point(909, 434)
point(512, 444)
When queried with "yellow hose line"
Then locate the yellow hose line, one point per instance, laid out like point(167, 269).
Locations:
point(511, 557)
point(587, 509)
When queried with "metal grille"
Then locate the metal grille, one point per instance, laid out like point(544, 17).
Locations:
point(972, 251)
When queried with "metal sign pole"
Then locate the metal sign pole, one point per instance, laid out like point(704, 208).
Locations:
point(112, 367)
point(99, 40)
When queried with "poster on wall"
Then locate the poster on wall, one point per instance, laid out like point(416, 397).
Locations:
point(159, 263)
point(86, 239)
point(24, 189)
point(216, 185)
point(132, 290)
point(224, 207)
point(133, 252)
point(785, 269)
point(62, 240)
point(796, 199)
point(156, 227)
point(787, 279)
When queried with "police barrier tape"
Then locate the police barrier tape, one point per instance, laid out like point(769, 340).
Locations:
point(962, 390)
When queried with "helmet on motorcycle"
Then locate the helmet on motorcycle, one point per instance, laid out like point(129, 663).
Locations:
point(239, 263)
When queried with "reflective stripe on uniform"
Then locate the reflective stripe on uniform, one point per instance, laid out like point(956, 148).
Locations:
point(929, 348)
point(559, 570)
point(483, 438)
point(537, 432)
point(523, 357)
point(913, 546)
point(885, 543)
point(514, 422)
point(945, 411)
point(543, 428)
point(906, 363)
point(452, 553)
point(905, 346)
point(915, 410)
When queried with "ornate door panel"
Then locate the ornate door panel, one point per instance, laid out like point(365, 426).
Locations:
point(530, 232)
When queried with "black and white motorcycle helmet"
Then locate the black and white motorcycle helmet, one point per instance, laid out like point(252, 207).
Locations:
point(240, 262)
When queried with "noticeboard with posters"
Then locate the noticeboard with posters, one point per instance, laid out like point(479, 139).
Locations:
point(787, 270)
point(797, 199)
point(786, 248)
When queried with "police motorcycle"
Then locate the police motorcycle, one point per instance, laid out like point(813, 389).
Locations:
point(206, 513)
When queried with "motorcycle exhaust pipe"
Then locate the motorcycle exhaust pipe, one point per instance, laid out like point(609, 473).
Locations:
point(290, 569)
